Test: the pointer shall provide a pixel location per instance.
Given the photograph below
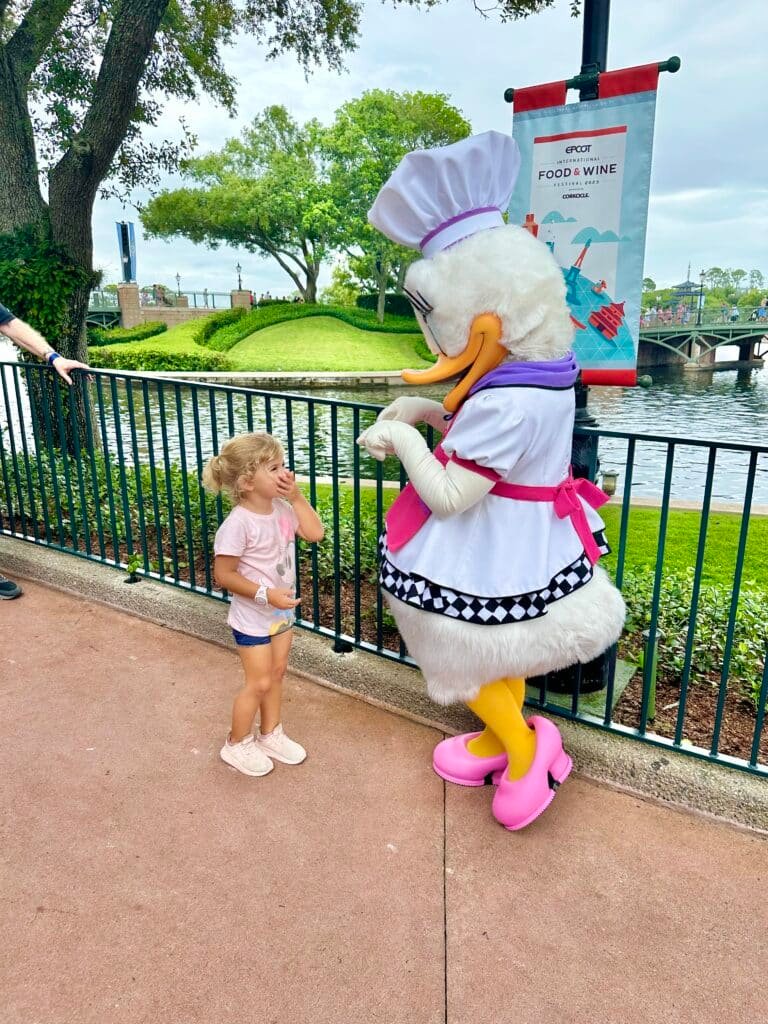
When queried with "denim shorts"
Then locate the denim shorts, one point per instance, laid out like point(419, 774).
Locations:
point(244, 640)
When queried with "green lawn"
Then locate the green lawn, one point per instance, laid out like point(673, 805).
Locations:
point(682, 542)
point(176, 339)
point(315, 343)
point(324, 343)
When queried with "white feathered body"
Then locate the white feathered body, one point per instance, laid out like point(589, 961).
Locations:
point(502, 547)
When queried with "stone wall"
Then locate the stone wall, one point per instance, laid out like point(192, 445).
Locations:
point(132, 313)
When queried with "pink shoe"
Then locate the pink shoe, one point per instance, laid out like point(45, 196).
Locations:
point(516, 804)
point(452, 761)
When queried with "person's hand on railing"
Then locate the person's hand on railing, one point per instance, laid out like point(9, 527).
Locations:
point(63, 367)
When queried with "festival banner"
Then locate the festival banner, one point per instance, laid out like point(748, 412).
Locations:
point(583, 189)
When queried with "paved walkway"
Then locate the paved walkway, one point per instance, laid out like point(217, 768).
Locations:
point(143, 882)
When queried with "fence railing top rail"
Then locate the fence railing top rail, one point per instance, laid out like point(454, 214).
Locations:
point(346, 403)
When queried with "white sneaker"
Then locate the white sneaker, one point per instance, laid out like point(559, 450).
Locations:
point(279, 747)
point(247, 757)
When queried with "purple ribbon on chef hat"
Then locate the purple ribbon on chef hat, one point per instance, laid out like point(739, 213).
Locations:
point(436, 197)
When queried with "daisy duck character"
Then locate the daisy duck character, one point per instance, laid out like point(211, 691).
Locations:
point(489, 558)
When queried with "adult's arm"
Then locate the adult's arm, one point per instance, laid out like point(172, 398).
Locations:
point(26, 337)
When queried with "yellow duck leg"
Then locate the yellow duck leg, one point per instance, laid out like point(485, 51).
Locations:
point(499, 705)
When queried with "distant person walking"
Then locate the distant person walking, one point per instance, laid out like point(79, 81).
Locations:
point(26, 337)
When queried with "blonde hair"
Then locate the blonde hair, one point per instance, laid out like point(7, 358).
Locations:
point(239, 457)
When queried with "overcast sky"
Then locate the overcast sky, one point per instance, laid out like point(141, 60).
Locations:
point(709, 187)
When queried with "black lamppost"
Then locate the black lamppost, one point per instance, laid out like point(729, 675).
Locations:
point(702, 275)
point(178, 284)
point(239, 269)
point(594, 57)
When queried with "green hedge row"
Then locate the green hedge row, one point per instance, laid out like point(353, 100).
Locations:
point(211, 324)
point(226, 337)
point(121, 335)
point(394, 303)
point(157, 360)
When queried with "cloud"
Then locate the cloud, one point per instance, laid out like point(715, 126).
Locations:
point(593, 235)
point(555, 217)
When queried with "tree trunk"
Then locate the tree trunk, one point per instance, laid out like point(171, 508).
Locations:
point(20, 201)
point(401, 272)
point(70, 215)
point(309, 293)
point(382, 279)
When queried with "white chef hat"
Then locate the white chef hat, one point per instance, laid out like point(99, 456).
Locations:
point(436, 197)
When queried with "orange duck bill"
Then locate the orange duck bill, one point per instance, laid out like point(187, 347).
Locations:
point(483, 353)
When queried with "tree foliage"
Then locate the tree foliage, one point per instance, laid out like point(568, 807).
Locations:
point(266, 191)
point(297, 193)
point(184, 61)
point(368, 139)
point(81, 80)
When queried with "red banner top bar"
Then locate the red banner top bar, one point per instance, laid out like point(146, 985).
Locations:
point(537, 97)
point(643, 78)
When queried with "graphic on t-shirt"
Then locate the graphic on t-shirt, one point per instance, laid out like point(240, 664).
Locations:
point(285, 566)
point(285, 569)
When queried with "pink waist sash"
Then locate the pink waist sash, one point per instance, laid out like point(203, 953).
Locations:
point(408, 512)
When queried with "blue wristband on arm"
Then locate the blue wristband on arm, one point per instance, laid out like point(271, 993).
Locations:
point(51, 356)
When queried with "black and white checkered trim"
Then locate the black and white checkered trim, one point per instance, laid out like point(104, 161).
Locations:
point(485, 611)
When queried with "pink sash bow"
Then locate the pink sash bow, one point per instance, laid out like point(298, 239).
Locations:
point(408, 512)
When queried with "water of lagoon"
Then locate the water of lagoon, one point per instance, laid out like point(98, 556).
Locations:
point(725, 406)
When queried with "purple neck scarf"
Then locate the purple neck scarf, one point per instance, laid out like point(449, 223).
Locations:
point(556, 373)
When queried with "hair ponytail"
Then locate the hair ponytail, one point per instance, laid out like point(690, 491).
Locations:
point(212, 477)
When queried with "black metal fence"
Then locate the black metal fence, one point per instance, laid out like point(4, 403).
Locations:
point(121, 485)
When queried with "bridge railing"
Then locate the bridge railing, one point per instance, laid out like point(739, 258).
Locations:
point(674, 319)
point(158, 296)
point(125, 487)
point(102, 300)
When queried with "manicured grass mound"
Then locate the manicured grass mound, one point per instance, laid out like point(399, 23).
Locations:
point(301, 344)
point(364, 320)
point(324, 344)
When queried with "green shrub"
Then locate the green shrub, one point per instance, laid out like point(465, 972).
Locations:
point(226, 337)
point(122, 335)
point(394, 303)
point(368, 539)
point(211, 324)
point(157, 360)
point(38, 280)
point(422, 350)
point(711, 628)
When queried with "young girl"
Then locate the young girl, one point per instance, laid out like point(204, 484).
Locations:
point(254, 561)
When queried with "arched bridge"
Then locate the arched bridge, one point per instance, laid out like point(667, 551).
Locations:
point(696, 344)
point(103, 310)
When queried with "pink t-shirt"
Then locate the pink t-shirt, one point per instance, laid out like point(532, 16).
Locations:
point(265, 546)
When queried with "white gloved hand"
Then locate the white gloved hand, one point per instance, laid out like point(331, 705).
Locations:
point(379, 440)
point(447, 490)
point(412, 409)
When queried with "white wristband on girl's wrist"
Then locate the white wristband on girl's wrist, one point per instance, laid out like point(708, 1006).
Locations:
point(261, 597)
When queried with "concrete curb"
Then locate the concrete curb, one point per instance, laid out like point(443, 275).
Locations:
point(644, 770)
